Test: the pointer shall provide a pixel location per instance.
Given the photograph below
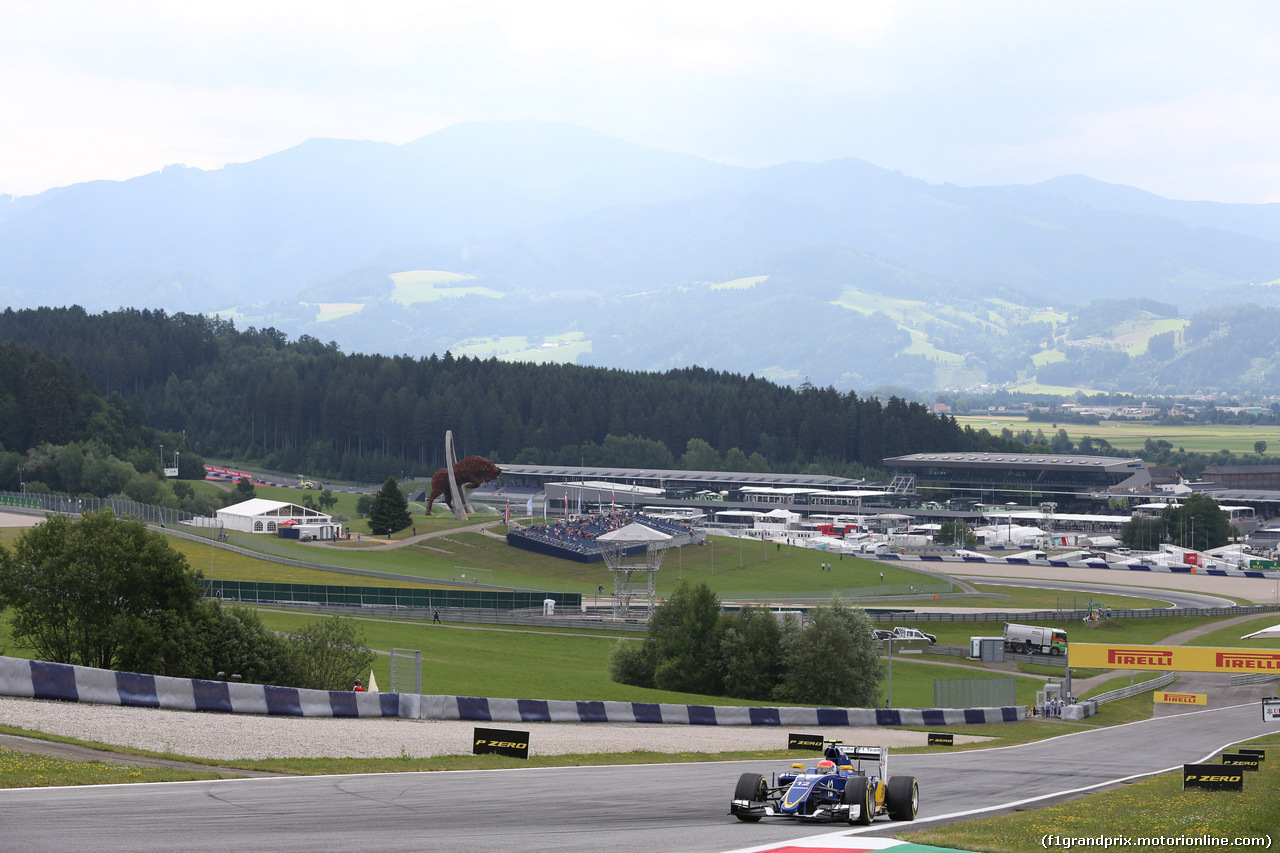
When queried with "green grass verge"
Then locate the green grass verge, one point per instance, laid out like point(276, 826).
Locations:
point(913, 681)
point(509, 663)
point(32, 770)
point(1138, 677)
point(731, 568)
point(1153, 808)
point(1231, 636)
point(1026, 598)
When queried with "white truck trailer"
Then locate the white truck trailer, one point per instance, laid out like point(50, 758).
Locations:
point(1034, 639)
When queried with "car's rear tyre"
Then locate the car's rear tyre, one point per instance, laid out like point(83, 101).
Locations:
point(902, 798)
point(859, 791)
point(750, 787)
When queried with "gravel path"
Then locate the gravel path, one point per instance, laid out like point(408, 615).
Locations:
point(225, 737)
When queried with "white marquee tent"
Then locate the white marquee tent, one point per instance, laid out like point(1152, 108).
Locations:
point(258, 515)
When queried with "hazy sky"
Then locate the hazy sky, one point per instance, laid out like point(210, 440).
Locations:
point(1181, 98)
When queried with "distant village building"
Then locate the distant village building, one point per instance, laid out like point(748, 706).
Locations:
point(1163, 476)
point(1243, 477)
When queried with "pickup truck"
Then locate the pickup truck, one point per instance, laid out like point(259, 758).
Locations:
point(913, 634)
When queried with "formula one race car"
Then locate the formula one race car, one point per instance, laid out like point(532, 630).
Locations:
point(838, 788)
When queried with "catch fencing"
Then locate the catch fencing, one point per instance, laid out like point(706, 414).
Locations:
point(973, 692)
point(256, 592)
point(121, 507)
point(1059, 661)
point(406, 671)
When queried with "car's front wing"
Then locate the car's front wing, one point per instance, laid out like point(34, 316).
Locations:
point(826, 811)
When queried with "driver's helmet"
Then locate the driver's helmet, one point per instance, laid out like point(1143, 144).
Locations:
point(826, 765)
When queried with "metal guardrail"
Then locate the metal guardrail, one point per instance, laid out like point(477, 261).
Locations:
point(1135, 689)
point(1072, 615)
point(866, 594)
point(467, 616)
point(1251, 678)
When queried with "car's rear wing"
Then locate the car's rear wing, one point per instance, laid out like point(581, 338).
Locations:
point(865, 753)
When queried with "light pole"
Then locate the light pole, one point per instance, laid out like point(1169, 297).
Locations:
point(888, 644)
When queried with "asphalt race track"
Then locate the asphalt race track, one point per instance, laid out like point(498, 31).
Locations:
point(1176, 598)
point(637, 809)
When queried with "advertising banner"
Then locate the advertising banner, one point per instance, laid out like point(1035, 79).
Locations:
point(500, 741)
point(941, 739)
point(1172, 698)
point(1177, 658)
point(1239, 759)
point(1213, 777)
point(1271, 710)
point(795, 741)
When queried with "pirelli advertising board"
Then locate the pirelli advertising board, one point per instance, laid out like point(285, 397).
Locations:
point(1214, 777)
point(1170, 698)
point(1178, 658)
point(800, 741)
point(501, 742)
point(1241, 759)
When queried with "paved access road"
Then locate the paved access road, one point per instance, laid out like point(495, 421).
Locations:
point(634, 809)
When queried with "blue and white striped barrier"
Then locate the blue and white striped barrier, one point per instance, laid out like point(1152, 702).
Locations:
point(35, 679)
point(42, 680)
point(551, 711)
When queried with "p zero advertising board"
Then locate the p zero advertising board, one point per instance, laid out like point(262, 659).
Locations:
point(801, 741)
point(1241, 759)
point(500, 741)
point(1178, 658)
point(1214, 777)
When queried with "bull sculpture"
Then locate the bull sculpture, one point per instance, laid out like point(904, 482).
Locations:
point(471, 471)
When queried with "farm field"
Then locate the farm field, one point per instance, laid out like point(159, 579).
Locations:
point(1132, 435)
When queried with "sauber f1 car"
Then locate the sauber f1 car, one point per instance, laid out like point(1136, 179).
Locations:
point(849, 783)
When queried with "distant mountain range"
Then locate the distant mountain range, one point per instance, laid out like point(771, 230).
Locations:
point(551, 242)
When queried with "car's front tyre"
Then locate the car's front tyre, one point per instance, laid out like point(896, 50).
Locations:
point(751, 787)
point(902, 798)
point(861, 793)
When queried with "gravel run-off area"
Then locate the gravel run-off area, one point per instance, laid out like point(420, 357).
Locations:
point(225, 737)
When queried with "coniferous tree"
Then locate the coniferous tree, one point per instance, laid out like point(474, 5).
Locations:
point(389, 511)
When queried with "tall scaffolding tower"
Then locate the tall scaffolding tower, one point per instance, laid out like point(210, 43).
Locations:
point(634, 570)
